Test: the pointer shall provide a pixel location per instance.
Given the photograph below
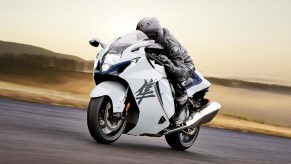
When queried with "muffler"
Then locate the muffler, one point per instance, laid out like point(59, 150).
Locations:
point(199, 118)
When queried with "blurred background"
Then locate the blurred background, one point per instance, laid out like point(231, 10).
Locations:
point(242, 47)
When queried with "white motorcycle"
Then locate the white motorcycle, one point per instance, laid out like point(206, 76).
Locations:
point(134, 96)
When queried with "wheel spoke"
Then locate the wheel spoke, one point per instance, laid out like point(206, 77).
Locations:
point(102, 124)
point(106, 130)
point(108, 106)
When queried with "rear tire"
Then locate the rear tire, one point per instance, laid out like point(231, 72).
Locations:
point(102, 125)
point(181, 141)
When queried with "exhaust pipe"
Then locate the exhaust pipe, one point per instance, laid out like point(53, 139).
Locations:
point(199, 118)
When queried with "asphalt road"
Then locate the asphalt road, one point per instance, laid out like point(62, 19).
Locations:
point(36, 133)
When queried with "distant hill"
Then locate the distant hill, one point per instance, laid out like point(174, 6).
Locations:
point(19, 49)
point(250, 85)
point(17, 53)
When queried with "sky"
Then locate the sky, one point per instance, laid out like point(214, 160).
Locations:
point(244, 39)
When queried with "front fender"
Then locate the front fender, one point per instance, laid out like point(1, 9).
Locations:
point(114, 90)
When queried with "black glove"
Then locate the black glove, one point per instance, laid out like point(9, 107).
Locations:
point(164, 59)
point(166, 62)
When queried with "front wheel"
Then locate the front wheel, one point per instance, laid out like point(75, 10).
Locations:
point(104, 125)
point(182, 140)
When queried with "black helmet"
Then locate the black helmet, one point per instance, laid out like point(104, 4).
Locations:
point(151, 26)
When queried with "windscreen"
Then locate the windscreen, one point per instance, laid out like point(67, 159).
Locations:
point(127, 40)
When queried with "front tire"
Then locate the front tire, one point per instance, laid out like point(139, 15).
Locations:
point(103, 126)
point(181, 140)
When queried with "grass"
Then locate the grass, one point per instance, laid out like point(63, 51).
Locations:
point(39, 95)
point(231, 123)
point(252, 119)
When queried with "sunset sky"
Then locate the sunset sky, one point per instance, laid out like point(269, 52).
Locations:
point(247, 39)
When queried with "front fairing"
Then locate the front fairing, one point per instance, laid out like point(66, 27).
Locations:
point(101, 54)
point(113, 51)
point(132, 52)
point(128, 55)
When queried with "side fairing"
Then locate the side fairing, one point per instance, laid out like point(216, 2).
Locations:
point(142, 79)
point(166, 97)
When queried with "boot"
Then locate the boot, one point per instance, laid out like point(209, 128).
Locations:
point(182, 109)
point(181, 115)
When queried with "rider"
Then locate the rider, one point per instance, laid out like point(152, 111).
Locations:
point(178, 63)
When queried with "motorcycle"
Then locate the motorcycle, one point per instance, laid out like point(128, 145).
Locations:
point(134, 95)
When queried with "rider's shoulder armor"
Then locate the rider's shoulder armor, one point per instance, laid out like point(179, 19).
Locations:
point(173, 49)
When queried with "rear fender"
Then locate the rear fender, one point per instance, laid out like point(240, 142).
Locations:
point(114, 90)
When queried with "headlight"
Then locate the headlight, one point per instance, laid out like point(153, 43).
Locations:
point(109, 60)
point(105, 67)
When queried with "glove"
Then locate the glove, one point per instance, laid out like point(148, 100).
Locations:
point(167, 63)
point(163, 59)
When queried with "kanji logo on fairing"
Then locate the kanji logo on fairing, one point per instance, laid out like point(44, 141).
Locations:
point(145, 91)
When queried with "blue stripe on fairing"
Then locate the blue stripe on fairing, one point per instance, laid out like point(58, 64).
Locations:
point(113, 69)
point(196, 80)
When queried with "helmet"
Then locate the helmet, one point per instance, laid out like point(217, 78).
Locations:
point(151, 26)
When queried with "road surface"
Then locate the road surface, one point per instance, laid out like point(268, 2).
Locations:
point(37, 133)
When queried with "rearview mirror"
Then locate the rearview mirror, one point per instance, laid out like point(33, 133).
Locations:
point(95, 43)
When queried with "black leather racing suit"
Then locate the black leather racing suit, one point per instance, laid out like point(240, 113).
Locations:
point(182, 66)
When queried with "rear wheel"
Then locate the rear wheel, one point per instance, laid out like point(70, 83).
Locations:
point(104, 125)
point(182, 140)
